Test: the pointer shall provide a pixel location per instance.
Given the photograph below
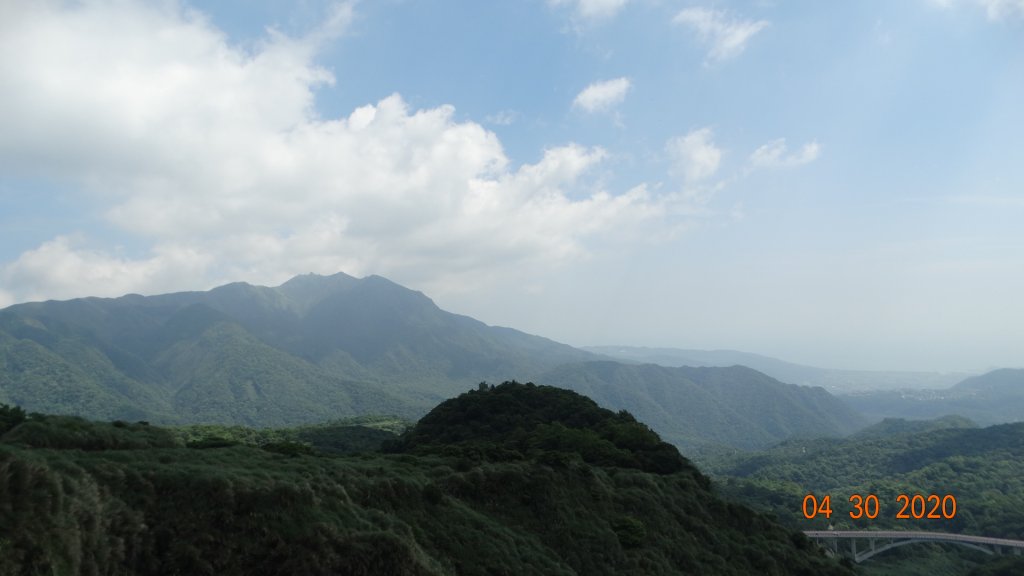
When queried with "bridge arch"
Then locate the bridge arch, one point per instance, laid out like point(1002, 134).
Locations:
point(893, 538)
point(895, 544)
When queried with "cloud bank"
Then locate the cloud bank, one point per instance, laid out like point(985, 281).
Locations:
point(994, 9)
point(214, 157)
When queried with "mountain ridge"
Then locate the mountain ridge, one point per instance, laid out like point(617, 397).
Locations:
point(728, 397)
point(837, 381)
point(318, 348)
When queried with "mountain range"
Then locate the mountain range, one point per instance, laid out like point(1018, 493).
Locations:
point(833, 380)
point(995, 397)
point(318, 348)
point(313, 348)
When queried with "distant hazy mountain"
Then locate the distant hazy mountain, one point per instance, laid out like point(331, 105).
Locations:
point(992, 398)
point(319, 348)
point(734, 406)
point(835, 381)
point(1002, 383)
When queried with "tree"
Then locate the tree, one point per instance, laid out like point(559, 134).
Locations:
point(10, 416)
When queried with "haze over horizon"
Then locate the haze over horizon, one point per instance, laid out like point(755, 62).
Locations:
point(837, 186)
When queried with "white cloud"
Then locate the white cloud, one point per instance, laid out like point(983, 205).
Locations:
point(6, 299)
point(994, 9)
point(60, 269)
point(602, 96)
point(694, 156)
point(725, 36)
point(214, 159)
point(999, 9)
point(775, 154)
point(592, 9)
point(503, 118)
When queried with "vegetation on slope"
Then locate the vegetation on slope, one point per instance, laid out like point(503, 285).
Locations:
point(697, 407)
point(344, 436)
point(155, 506)
point(517, 421)
point(309, 350)
point(983, 468)
point(893, 426)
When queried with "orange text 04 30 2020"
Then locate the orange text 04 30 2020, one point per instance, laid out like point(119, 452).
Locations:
point(909, 506)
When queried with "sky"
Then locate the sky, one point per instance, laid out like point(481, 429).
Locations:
point(838, 184)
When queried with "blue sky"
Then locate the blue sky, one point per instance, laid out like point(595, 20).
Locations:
point(838, 184)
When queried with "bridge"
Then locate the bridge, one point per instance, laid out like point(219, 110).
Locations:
point(879, 541)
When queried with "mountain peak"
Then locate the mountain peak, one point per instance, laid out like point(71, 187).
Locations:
point(312, 277)
point(307, 290)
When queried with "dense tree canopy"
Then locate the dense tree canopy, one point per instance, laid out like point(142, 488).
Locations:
point(514, 420)
point(80, 497)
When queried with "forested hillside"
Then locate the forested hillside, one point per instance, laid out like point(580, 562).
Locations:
point(549, 483)
point(311, 349)
point(982, 468)
point(697, 407)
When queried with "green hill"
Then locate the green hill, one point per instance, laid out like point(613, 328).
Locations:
point(894, 426)
point(517, 420)
point(572, 489)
